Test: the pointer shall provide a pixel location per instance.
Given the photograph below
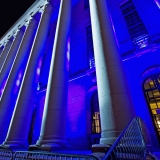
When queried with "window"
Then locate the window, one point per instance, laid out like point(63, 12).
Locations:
point(96, 126)
point(136, 28)
point(90, 50)
point(86, 4)
point(152, 94)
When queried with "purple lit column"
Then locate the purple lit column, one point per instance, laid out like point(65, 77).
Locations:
point(10, 58)
point(11, 88)
point(5, 52)
point(1, 50)
point(17, 135)
point(53, 129)
point(116, 109)
point(158, 3)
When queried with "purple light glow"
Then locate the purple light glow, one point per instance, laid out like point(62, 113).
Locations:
point(75, 110)
point(40, 107)
point(140, 53)
point(2, 87)
point(94, 88)
point(148, 72)
point(158, 3)
point(68, 53)
point(18, 82)
point(114, 30)
point(123, 2)
point(77, 77)
point(38, 70)
point(141, 41)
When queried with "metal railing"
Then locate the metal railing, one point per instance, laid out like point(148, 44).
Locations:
point(29, 155)
point(145, 134)
point(130, 144)
point(6, 154)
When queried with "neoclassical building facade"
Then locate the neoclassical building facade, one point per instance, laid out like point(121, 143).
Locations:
point(74, 73)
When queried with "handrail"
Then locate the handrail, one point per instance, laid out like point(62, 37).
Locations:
point(130, 144)
point(145, 134)
point(30, 155)
point(6, 154)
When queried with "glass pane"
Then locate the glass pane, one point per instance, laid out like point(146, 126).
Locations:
point(153, 105)
point(96, 128)
point(150, 94)
point(156, 93)
point(154, 111)
point(146, 86)
point(151, 84)
point(158, 104)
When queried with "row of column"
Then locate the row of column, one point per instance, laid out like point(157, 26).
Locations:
point(17, 99)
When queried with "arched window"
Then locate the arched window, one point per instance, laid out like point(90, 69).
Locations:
point(152, 93)
point(96, 125)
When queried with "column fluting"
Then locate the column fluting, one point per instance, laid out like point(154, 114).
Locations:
point(53, 129)
point(10, 58)
point(12, 85)
point(5, 52)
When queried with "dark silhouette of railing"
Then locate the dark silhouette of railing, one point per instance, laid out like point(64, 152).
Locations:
point(30, 155)
point(6, 154)
point(132, 143)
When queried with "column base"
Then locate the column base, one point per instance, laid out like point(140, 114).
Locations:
point(102, 148)
point(48, 147)
point(13, 147)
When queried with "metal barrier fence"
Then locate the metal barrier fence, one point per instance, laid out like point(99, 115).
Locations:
point(129, 145)
point(145, 134)
point(6, 154)
point(28, 155)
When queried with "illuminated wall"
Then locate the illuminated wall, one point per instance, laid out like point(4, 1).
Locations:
point(136, 63)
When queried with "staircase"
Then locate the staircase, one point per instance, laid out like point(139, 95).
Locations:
point(132, 144)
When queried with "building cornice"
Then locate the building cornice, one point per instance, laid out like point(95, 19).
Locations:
point(35, 7)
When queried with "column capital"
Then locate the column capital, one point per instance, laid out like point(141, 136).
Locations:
point(49, 1)
point(47, 8)
point(8, 41)
point(18, 34)
point(32, 23)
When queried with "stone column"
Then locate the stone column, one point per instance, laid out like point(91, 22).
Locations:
point(53, 129)
point(9, 95)
point(1, 50)
point(5, 52)
point(10, 58)
point(116, 109)
point(17, 135)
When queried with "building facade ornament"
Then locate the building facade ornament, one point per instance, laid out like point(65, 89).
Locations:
point(32, 23)
point(18, 34)
point(47, 8)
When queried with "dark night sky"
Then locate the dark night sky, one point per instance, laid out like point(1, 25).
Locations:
point(11, 11)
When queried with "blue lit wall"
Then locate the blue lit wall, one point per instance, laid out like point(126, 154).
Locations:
point(136, 63)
